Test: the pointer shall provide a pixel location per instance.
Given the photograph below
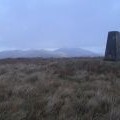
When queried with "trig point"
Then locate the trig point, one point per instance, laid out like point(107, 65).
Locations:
point(112, 52)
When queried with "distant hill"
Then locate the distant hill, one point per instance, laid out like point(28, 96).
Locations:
point(62, 52)
point(27, 54)
point(76, 52)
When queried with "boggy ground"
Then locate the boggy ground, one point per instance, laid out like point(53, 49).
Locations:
point(59, 89)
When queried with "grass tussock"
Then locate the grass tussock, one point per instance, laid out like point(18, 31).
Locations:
point(59, 89)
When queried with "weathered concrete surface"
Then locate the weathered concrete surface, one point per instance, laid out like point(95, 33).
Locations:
point(113, 46)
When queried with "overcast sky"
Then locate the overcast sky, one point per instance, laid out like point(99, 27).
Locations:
point(36, 24)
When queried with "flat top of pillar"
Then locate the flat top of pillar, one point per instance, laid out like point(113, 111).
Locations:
point(114, 32)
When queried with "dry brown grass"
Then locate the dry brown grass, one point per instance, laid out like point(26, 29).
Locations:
point(59, 89)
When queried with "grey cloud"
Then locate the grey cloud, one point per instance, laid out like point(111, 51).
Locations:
point(57, 23)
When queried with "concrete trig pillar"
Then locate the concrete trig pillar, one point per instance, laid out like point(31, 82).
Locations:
point(113, 46)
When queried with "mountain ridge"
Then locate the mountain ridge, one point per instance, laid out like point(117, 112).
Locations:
point(61, 52)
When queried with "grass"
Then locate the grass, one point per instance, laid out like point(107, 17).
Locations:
point(59, 89)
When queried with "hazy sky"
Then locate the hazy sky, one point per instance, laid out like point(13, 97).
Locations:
point(36, 24)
